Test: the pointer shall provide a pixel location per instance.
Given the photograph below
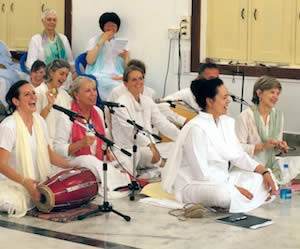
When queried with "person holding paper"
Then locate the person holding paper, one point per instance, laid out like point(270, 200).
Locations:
point(106, 55)
point(197, 170)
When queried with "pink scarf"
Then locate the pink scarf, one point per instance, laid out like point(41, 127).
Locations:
point(78, 132)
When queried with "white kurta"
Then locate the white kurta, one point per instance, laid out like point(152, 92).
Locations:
point(198, 168)
point(62, 99)
point(145, 114)
point(63, 140)
point(8, 138)
point(36, 50)
point(186, 96)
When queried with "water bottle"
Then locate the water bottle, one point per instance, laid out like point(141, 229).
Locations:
point(285, 192)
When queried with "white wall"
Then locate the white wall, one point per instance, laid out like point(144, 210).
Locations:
point(145, 23)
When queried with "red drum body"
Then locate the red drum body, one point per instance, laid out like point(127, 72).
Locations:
point(67, 189)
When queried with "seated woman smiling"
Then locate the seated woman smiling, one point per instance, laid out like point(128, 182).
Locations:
point(197, 170)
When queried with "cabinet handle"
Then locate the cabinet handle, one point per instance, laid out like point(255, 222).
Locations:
point(3, 7)
point(43, 7)
point(12, 6)
point(255, 14)
point(243, 13)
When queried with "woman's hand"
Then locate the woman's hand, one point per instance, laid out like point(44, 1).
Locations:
point(109, 156)
point(87, 141)
point(124, 55)
point(245, 192)
point(51, 95)
point(269, 183)
point(30, 186)
point(107, 36)
point(155, 153)
point(283, 147)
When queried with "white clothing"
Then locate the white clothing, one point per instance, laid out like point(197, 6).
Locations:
point(199, 163)
point(8, 138)
point(172, 116)
point(186, 96)
point(36, 50)
point(144, 114)
point(62, 141)
point(118, 91)
point(109, 55)
point(62, 99)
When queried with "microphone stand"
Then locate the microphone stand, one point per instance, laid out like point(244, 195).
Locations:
point(134, 185)
point(106, 206)
point(241, 73)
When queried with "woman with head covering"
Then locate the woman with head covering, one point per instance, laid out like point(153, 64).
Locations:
point(50, 93)
point(260, 127)
point(197, 171)
point(106, 55)
point(80, 146)
point(49, 45)
point(37, 73)
point(25, 154)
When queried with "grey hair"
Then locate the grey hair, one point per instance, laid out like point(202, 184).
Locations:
point(130, 69)
point(54, 66)
point(77, 83)
point(264, 83)
point(47, 12)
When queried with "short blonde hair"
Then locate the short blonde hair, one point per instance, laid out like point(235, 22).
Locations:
point(77, 83)
point(264, 83)
point(47, 12)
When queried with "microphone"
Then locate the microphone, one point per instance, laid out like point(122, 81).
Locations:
point(172, 103)
point(238, 100)
point(111, 104)
point(68, 112)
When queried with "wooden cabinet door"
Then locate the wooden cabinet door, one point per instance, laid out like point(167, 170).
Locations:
point(271, 30)
point(23, 20)
point(3, 21)
point(297, 53)
point(59, 6)
point(227, 29)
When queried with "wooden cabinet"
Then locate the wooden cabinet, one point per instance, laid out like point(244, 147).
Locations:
point(297, 45)
point(227, 29)
point(20, 20)
point(3, 20)
point(253, 31)
point(59, 6)
point(271, 30)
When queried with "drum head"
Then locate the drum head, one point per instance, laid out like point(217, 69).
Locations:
point(47, 201)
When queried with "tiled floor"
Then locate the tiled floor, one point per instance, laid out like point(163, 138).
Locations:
point(153, 227)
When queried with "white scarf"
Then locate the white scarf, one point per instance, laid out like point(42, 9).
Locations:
point(13, 191)
point(226, 149)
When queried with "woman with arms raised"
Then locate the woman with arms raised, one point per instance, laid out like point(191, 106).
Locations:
point(25, 154)
point(197, 171)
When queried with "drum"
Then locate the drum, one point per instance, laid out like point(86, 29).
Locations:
point(68, 189)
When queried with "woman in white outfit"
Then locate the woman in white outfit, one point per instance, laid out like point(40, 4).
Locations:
point(25, 154)
point(80, 146)
point(260, 128)
point(50, 93)
point(145, 113)
point(197, 171)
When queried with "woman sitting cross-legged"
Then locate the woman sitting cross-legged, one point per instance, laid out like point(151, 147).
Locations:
point(82, 147)
point(197, 170)
point(25, 154)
